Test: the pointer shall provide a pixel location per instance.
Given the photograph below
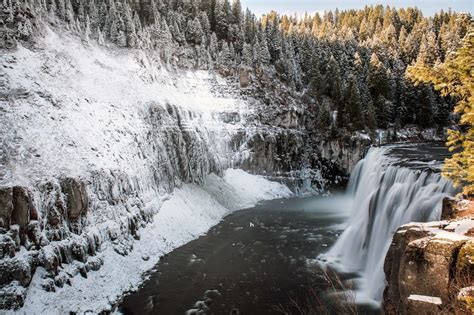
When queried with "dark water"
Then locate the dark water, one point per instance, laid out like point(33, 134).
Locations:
point(253, 261)
point(420, 156)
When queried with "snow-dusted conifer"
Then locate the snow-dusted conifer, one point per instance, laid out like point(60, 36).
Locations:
point(224, 55)
point(246, 55)
point(264, 53)
point(205, 24)
point(194, 31)
point(87, 30)
point(69, 15)
point(131, 34)
point(100, 37)
point(213, 46)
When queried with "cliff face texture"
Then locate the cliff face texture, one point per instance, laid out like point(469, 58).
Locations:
point(430, 266)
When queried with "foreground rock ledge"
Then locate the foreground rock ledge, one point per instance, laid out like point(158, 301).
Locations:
point(429, 265)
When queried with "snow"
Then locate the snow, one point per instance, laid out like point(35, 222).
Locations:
point(441, 231)
point(83, 111)
point(187, 214)
point(461, 226)
point(89, 103)
point(425, 299)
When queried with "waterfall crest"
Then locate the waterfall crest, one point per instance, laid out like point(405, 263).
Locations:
point(385, 196)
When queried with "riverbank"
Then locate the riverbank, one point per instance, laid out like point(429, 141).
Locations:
point(252, 262)
point(188, 213)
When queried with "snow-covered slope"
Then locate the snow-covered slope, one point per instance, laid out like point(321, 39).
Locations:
point(188, 213)
point(93, 141)
point(70, 109)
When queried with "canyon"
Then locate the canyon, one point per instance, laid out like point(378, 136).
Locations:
point(111, 158)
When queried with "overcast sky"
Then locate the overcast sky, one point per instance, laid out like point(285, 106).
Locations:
point(429, 7)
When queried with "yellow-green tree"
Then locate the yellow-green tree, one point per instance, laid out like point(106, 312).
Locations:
point(455, 77)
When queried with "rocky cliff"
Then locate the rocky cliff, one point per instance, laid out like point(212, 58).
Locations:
point(430, 266)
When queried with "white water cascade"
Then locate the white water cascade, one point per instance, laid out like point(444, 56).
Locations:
point(385, 196)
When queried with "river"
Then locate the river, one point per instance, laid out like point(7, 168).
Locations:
point(261, 260)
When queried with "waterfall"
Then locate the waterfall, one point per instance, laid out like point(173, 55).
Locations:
point(384, 197)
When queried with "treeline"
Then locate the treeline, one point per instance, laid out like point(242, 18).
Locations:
point(352, 62)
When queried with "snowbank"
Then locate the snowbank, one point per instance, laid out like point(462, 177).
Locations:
point(188, 213)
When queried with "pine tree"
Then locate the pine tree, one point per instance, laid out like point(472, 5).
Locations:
point(93, 15)
point(176, 31)
point(205, 24)
point(81, 14)
point(428, 53)
point(249, 26)
point(236, 12)
point(353, 104)
point(264, 54)
point(425, 107)
point(247, 55)
point(323, 121)
point(194, 31)
point(213, 46)
point(100, 38)
point(221, 15)
point(454, 78)
point(69, 13)
point(103, 17)
point(87, 31)
point(131, 37)
point(370, 117)
point(224, 56)
point(333, 80)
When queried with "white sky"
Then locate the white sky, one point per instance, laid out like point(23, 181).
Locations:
point(429, 7)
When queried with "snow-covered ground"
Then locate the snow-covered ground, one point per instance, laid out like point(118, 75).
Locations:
point(187, 214)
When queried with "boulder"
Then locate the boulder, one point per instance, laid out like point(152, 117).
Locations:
point(404, 235)
point(426, 265)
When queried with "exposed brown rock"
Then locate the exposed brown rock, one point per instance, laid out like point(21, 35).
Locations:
point(244, 77)
point(77, 199)
point(425, 267)
point(455, 208)
point(448, 211)
point(6, 206)
point(22, 206)
point(429, 261)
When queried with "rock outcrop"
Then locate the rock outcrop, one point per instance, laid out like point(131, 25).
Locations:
point(428, 264)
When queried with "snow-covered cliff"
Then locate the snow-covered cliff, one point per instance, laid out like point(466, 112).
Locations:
point(93, 143)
